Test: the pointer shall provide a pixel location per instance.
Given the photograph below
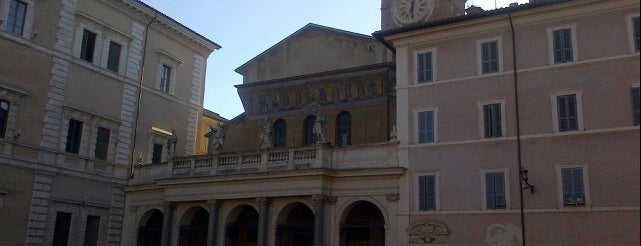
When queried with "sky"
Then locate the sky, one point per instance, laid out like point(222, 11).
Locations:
point(244, 29)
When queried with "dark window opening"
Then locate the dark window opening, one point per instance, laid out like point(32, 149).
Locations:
point(156, 156)
point(16, 17)
point(102, 143)
point(88, 45)
point(344, 129)
point(280, 133)
point(61, 229)
point(4, 117)
point(74, 134)
point(113, 60)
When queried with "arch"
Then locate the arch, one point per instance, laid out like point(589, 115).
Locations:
point(362, 222)
point(193, 229)
point(308, 130)
point(280, 133)
point(150, 228)
point(241, 227)
point(295, 225)
point(344, 129)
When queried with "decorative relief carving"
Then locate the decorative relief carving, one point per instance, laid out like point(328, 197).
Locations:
point(428, 232)
point(393, 197)
point(503, 235)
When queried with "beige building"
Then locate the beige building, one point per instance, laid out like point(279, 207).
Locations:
point(516, 124)
point(76, 113)
point(310, 161)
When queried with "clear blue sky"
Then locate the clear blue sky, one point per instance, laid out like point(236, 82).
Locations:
point(244, 29)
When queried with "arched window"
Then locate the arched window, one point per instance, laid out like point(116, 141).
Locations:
point(280, 133)
point(343, 129)
point(308, 130)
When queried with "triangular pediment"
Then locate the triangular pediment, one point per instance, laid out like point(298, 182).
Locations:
point(313, 49)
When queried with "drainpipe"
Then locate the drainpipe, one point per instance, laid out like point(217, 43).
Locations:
point(518, 129)
point(142, 76)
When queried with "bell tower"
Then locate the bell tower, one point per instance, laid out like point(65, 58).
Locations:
point(400, 13)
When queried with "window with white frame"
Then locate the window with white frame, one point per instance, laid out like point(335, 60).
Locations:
point(167, 69)
point(492, 118)
point(634, 94)
point(10, 100)
point(427, 192)
point(495, 190)
point(562, 44)
point(426, 125)
point(573, 186)
point(567, 111)
point(489, 53)
point(88, 134)
point(17, 17)
point(425, 66)
point(633, 29)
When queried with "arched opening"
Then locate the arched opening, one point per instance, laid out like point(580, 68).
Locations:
point(363, 225)
point(280, 133)
point(193, 231)
point(242, 227)
point(308, 131)
point(296, 227)
point(150, 228)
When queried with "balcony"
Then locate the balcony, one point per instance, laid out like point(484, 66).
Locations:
point(382, 155)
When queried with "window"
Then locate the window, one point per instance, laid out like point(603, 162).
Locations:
point(16, 18)
point(61, 229)
point(308, 130)
point(562, 45)
point(156, 156)
point(344, 129)
point(492, 120)
point(280, 133)
point(490, 57)
point(567, 113)
point(635, 105)
point(4, 117)
point(425, 67)
point(427, 192)
point(165, 77)
point(113, 60)
point(495, 190)
point(74, 133)
point(88, 45)
point(426, 127)
point(635, 32)
point(102, 143)
point(91, 230)
point(573, 187)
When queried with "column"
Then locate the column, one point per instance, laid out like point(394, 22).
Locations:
point(319, 217)
point(212, 227)
point(165, 239)
point(262, 220)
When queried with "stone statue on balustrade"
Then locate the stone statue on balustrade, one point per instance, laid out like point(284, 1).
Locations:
point(318, 129)
point(265, 134)
point(216, 138)
point(171, 144)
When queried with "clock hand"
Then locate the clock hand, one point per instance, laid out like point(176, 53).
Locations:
point(412, 8)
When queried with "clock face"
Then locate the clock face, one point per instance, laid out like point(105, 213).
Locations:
point(411, 11)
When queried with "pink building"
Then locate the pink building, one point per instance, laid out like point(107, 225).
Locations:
point(468, 122)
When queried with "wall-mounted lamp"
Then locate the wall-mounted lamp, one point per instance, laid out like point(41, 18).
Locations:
point(525, 185)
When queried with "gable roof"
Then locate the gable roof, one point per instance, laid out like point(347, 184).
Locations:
point(301, 31)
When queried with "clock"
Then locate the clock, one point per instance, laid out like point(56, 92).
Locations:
point(411, 11)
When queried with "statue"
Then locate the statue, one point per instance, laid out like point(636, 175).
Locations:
point(171, 144)
point(266, 134)
point(216, 137)
point(317, 129)
point(393, 134)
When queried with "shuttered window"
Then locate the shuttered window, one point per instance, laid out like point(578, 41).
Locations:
point(16, 17)
point(344, 129)
point(562, 41)
point(635, 105)
point(426, 127)
point(427, 192)
point(425, 67)
point(495, 190)
point(489, 57)
point(573, 191)
point(492, 120)
point(567, 112)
